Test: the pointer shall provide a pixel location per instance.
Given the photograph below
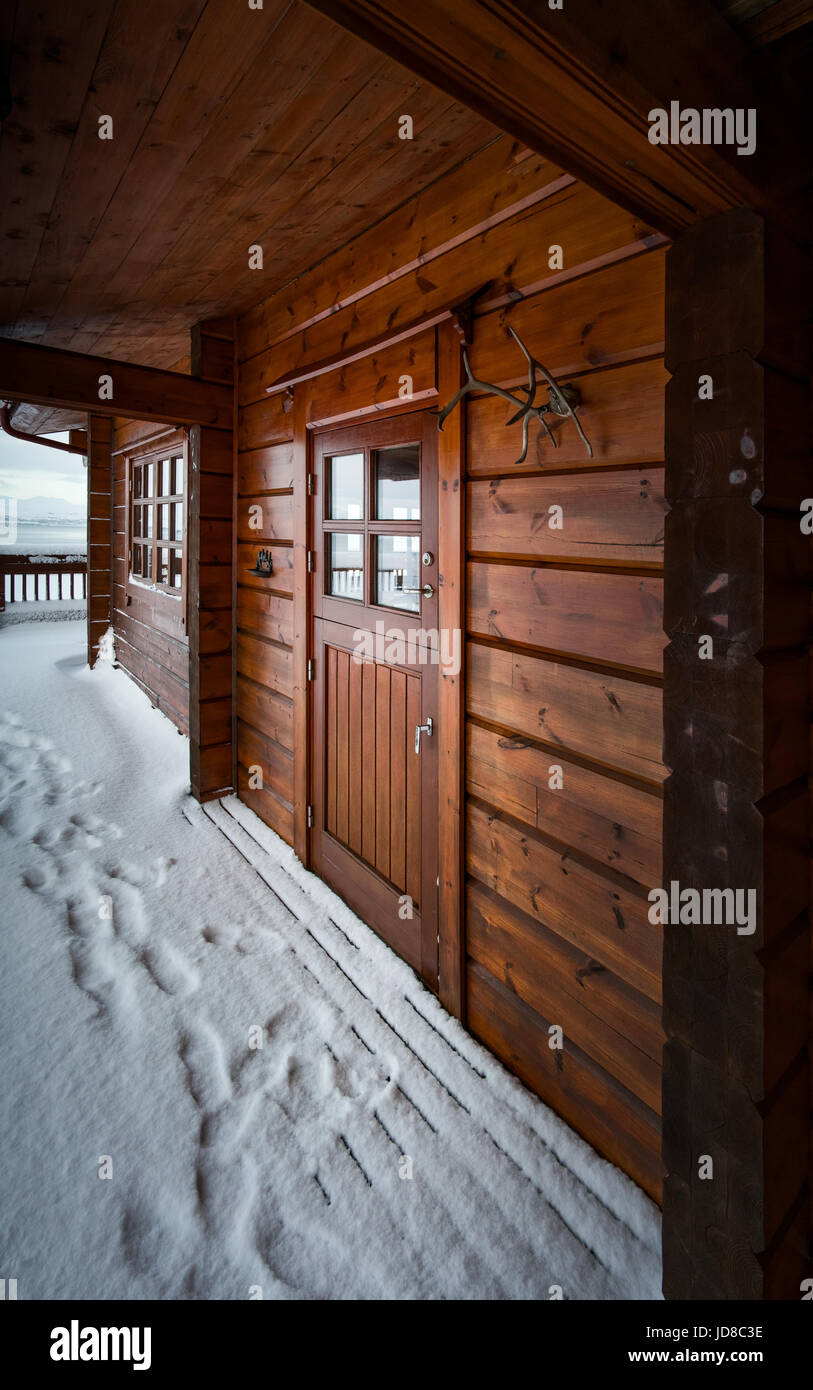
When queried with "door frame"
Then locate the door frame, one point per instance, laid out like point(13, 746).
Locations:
point(451, 574)
point(334, 621)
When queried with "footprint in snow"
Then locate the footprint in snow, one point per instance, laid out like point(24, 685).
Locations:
point(154, 1242)
point(38, 880)
point(169, 970)
point(224, 934)
point(130, 873)
point(204, 1057)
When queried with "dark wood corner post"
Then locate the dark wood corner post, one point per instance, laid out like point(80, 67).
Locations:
point(736, 816)
point(210, 574)
point(100, 514)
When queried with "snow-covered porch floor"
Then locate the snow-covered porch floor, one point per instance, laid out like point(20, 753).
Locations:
point(230, 1086)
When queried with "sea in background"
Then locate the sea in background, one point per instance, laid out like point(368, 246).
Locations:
point(51, 537)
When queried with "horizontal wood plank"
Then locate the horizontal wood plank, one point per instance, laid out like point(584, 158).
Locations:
point(265, 614)
point(612, 822)
point(613, 517)
point(276, 814)
point(618, 431)
point(392, 377)
point(265, 470)
point(275, 763)
point(612, 618)
point(554, 980)
point(615, 1122)
point(609, 719)
point(266, 710)
point(265, 663)
point(598, 321)
point(280, 581)
point(264, 518)
point(595, 913)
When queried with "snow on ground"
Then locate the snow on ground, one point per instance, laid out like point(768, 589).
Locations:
point(258, 1070)
point(55, 610)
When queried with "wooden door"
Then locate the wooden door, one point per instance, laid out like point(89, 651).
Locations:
point(375, 648)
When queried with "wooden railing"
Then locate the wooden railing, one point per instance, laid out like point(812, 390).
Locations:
point(26, 576)
point(348, 580)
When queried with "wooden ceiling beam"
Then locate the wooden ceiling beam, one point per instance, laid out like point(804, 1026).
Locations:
point(70, 381)
point(578, 84)
point(781, 18)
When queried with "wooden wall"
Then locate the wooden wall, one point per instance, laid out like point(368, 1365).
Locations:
point(264, 614)
point(149, 627)
point(563, 736)
point(564, 626)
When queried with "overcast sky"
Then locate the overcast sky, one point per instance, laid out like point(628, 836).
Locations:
point(29, 470)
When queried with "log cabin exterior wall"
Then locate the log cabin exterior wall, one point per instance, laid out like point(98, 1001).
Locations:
point(563, 627)
point(149, 627)
point(264, 616)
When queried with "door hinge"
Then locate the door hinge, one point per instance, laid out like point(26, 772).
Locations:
point(311, 561)
point(311, 484)
point(311, 669)
point(310, 817)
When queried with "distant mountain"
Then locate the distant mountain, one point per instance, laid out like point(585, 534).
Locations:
point(49, 509)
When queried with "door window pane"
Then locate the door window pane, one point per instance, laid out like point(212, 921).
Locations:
point(397, 483)
point(177, 481)
point(345, 565)
point(176, 531)
point(175, 569)
point(146, 561)
point(163, 522)
point(163, 566)
point(346, 487)
point(397, 568)
point(149, 480)
point(165, 485)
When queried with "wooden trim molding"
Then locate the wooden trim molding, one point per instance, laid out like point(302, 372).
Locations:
point(302, 620)
point(451, 686)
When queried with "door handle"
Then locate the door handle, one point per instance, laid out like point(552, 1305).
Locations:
point(422, 729)
point(425, 589)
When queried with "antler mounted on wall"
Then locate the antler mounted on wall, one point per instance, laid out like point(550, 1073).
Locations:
point(563, 401)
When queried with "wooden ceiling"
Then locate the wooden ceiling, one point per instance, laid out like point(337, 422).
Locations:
point(232, 126)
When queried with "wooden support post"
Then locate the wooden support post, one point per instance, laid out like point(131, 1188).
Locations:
point(99, 565)
point(451, 684)
point(736, 812)
point(210, 574)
